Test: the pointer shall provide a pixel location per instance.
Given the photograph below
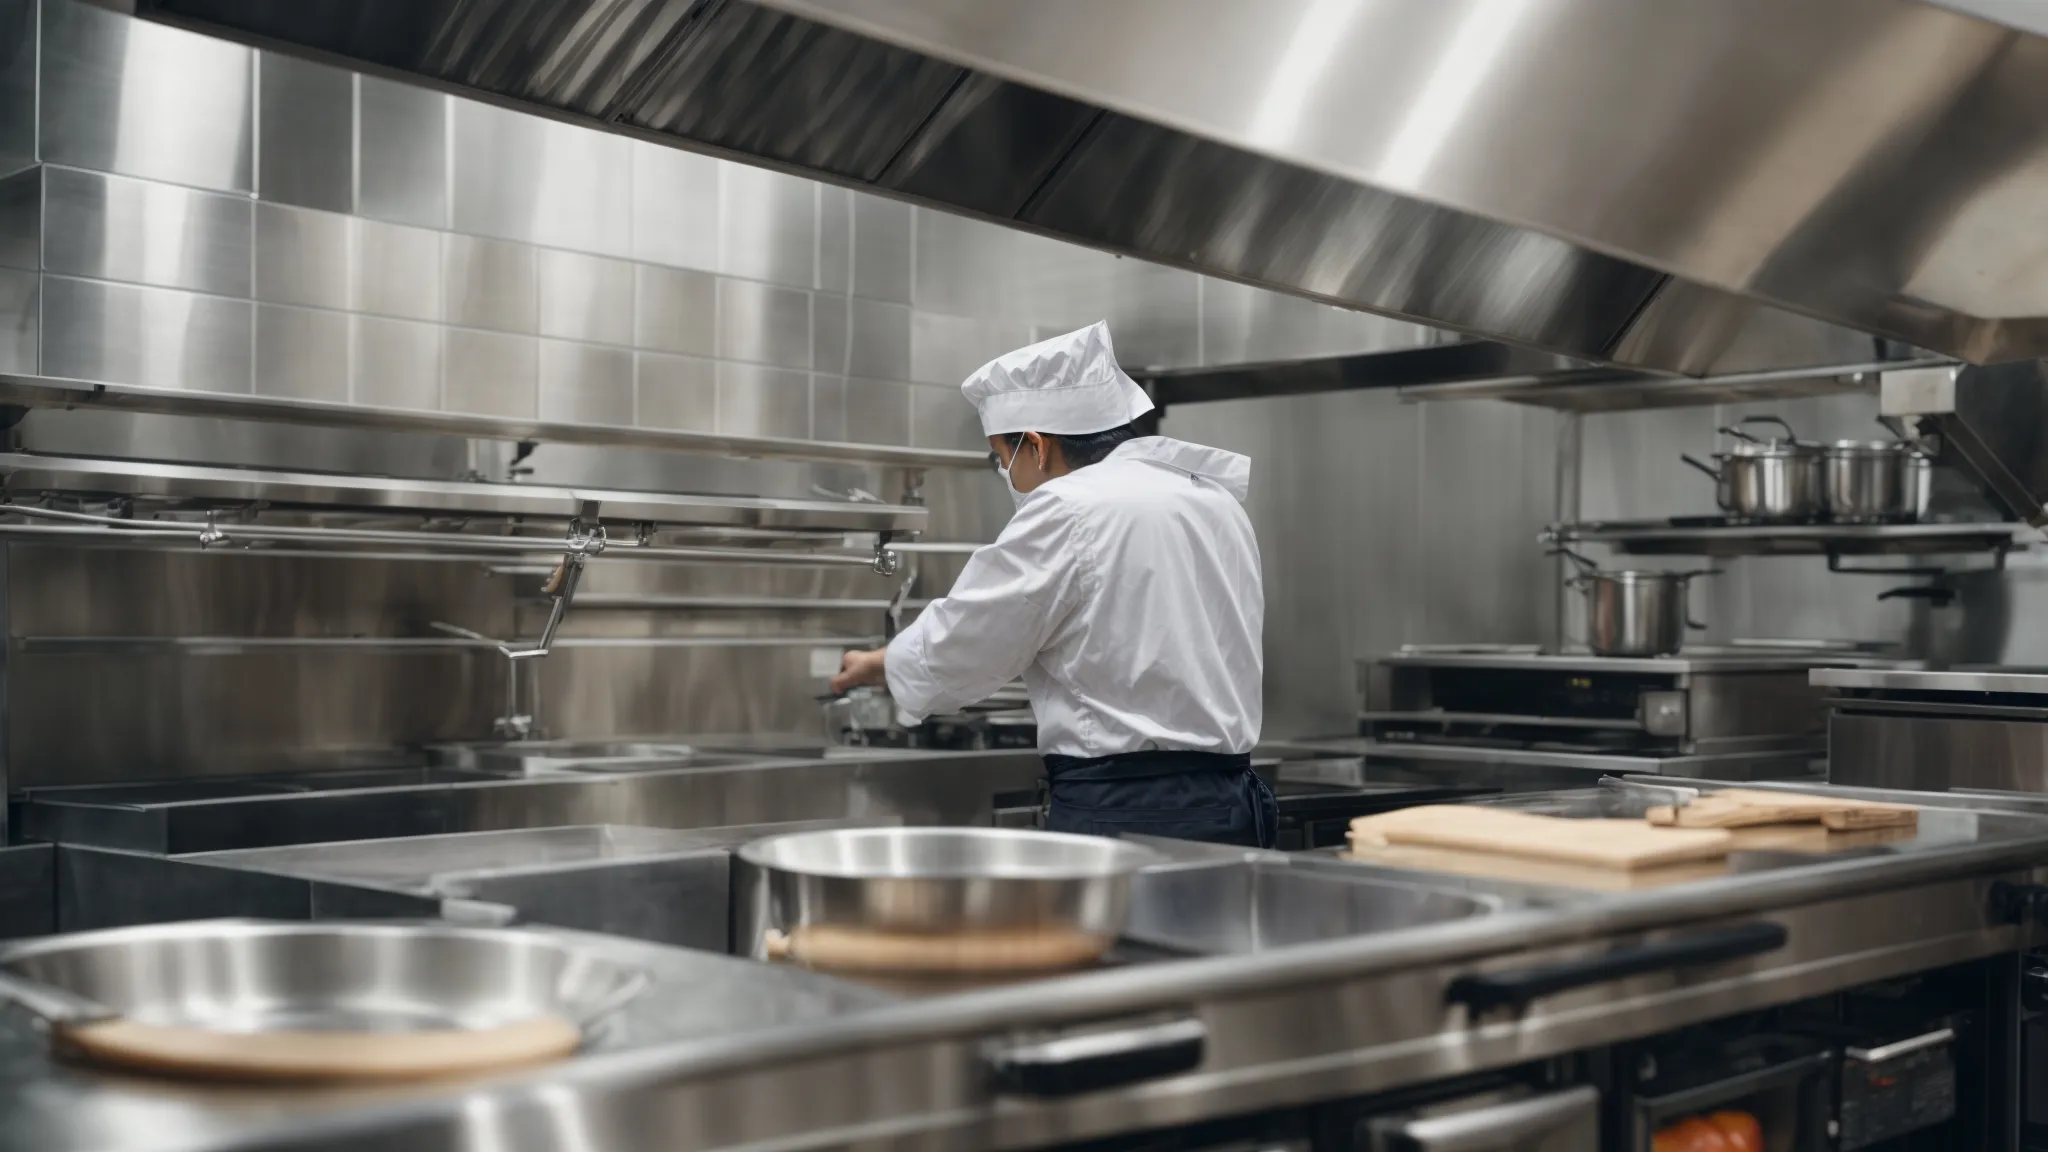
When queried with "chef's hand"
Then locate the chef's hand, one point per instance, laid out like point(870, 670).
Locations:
point(860, 670)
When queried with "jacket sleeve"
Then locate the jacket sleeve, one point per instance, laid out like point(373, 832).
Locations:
point(1010, 598)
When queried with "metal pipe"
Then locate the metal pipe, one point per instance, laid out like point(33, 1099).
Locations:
point(212, 536)
point(232, 645)
point(629, 601)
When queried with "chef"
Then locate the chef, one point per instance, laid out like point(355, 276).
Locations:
point(1126, 592)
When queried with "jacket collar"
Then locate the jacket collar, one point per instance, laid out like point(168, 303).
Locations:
point(1232, 471)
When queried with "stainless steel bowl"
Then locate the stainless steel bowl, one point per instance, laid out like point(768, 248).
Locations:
point(927, 880)
point(263, 976)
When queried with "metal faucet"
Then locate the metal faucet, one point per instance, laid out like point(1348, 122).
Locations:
point(512, 724)
point(887, 559)
point(560, 586)
point(583, 542)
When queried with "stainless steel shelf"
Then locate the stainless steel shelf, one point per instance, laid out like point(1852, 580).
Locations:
point(56, 392)
point(637, 602)
point(1748, 765)
point(1597, 390)
point(1661, 538)
point(191, 484)
point(2011, 681)
point(241, 645)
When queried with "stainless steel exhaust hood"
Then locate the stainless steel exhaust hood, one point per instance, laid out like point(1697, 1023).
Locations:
point(1618, 182)
point(1990, 421)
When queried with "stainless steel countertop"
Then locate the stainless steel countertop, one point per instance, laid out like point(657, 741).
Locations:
point(717, 1018)
point(2014, 680)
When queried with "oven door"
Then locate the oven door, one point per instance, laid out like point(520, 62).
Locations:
point(1562, 1121)
point(1777, 1086)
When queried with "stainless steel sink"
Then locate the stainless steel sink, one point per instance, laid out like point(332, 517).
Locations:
point(1253, 905)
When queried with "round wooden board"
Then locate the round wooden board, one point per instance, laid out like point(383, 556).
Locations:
point(319, 1057)
point(850, 948)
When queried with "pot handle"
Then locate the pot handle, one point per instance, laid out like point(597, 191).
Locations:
point(1777, 420)
point(1936, 595)
point(1691, 623)
point(1702, 466)
point(1586, 567)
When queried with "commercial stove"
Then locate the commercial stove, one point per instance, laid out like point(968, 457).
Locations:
point(1736, 713)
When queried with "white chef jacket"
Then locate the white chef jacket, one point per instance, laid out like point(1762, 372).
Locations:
point(1126, 593)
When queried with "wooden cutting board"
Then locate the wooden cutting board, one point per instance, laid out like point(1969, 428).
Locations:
point(1810, 839)
point(1613, 844)
point(851, 948)
point(319, 1057)
point(1527, 870)
point(1746, 807)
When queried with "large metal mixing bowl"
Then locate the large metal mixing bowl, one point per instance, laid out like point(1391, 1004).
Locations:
point(262, 976)
point(948, 879)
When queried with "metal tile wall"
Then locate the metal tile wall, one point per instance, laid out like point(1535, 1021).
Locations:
point(412, 249)
point(205, 216)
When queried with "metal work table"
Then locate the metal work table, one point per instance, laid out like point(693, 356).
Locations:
point(1268, 1018)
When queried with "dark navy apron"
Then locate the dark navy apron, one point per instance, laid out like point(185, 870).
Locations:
point(1185, 795)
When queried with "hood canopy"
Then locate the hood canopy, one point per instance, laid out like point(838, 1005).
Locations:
point(1617, 182)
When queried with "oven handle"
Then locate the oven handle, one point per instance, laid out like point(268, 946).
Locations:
point(1516, 1124)
point(1907, 1047)
point(1481, 992)
point(1071, 1065)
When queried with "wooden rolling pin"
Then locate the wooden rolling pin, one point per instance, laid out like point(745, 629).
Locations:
point(1748, 807)
point(1619, 844)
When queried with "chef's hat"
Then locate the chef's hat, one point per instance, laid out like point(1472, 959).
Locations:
point(1068, 385)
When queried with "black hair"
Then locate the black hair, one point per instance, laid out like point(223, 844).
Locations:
point(1081, 451)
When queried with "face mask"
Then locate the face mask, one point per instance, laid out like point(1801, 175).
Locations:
point(1016, 497)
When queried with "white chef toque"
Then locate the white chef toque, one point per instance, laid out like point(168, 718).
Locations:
point(1069, 386)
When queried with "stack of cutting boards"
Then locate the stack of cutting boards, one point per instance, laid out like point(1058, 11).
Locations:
point(1673, 844)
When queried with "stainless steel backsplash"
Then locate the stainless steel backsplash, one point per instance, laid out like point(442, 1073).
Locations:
point(186, 213)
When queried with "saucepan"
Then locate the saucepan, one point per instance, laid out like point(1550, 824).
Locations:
point(1875, 481)
point(315, 1002)
point(1634, 612)
point(1770, 479)
point(943, 900)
